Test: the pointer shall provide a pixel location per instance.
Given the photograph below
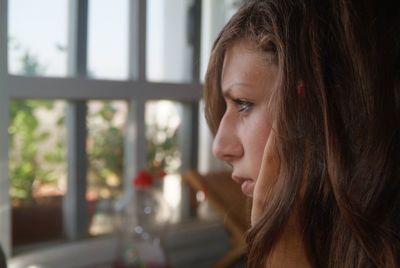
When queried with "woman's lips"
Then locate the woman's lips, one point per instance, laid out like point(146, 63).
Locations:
point(247, 185)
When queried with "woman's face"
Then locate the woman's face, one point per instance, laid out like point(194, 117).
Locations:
point(247, 83)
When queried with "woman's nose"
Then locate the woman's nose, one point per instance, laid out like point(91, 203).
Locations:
point(227, 145)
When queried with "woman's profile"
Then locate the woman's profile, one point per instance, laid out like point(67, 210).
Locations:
point(303, 98)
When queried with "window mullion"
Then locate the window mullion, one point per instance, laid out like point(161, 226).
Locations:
point(142, 39)
point(77, 37)
point(188, 137)
point(80, 88)
point(135, 153)
point(5, 205)
point(195, 16)
point(75, 216)
point(137, 40)
point(193, 124)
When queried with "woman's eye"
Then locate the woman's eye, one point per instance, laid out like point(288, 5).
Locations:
point(243, 106)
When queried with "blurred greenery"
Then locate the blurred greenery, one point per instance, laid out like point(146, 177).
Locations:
point(26, 136)
point(26, 169)
point(162, 148)
point(105, 150)
point(33, 165)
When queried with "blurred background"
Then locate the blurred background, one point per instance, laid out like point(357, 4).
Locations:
point(92, 92)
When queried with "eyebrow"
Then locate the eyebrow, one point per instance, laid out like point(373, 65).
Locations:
point(226, 92)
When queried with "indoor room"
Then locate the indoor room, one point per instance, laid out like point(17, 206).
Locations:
point(102, 127)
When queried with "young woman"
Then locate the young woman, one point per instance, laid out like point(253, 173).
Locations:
point(304, 101)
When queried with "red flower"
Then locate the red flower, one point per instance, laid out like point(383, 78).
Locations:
point(145, 178)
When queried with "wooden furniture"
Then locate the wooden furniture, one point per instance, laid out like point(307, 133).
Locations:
point(228, 200)
point(3, 262)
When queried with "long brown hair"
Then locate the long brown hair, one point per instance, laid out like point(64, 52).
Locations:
point(339, 140)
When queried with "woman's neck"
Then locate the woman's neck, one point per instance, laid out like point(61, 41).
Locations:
point(289, 251)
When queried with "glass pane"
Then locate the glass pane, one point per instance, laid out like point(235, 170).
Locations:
point(214, 16)
point(168, 51)
point(38, 37)
point(162, 126)
point(106, 120)
point(37, 170)
point(163, 120)
point(108, 39)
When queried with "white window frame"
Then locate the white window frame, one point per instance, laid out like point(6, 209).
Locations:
point(5, 210)
point(78, 89)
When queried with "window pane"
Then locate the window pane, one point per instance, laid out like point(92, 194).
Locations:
point(106, 120)
point(108, 39)
point(38, 37)
point(163, 120)
point(37, 170)
point(162, 126)
point(168, 51)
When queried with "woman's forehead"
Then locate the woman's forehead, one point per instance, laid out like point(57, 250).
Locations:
point(245, 77)
point(244, 64)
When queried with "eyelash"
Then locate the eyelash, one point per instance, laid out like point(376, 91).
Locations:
point(244, 106)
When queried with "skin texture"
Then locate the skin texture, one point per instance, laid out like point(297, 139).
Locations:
point(247, 82)
point(267, 177)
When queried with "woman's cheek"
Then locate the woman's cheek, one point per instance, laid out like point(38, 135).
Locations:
point(266, 179)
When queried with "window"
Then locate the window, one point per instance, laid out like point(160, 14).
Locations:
point(105, 151)
point(37, 37)
point(37, 163)
point(168, 31)
point(108, 39)
point(52, 48)
point(164, 153)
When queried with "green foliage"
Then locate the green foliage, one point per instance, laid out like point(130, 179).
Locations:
point(33, 166)
point(105, 149)
point(26, 137)
point(162, 148)
point(30, 64)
